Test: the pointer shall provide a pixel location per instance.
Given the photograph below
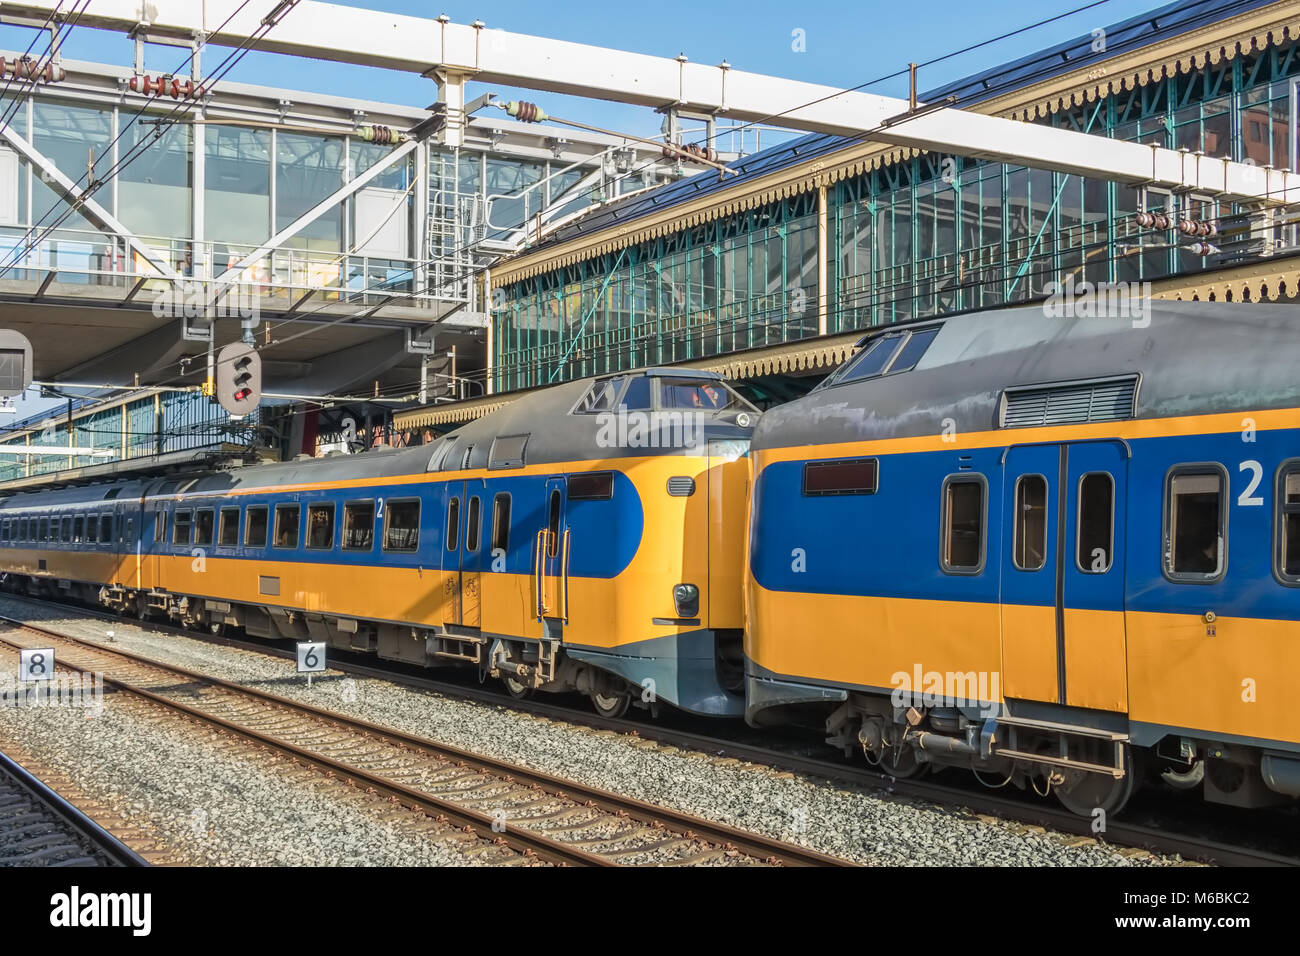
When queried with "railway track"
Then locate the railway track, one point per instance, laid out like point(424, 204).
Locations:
point(1023, 810)
point(540, 816)
point(41, 827)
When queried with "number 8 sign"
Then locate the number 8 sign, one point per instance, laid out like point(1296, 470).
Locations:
point(36, 663)
point(311, 657)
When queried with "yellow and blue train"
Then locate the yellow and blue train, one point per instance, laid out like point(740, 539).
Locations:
point(1060, 552)
point(586, 538)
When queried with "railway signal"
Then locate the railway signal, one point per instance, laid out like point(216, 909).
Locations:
point(239, 379)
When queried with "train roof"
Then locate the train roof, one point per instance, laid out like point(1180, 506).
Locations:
point(1017, 367)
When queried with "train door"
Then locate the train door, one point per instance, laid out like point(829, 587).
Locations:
point(466, 607)
point(1095, 643)
point(1063, 637)
point(1030, 564)
point(551, 561)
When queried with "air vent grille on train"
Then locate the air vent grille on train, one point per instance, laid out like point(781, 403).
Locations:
point(1108, 400)
point(681, 486)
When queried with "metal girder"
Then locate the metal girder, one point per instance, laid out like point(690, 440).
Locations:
point(92, 210)
point(318, 210)
point(344, 34)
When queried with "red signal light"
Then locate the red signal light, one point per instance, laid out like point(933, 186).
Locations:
point(242, 394)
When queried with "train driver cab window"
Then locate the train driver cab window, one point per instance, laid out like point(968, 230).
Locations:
point(320, 526)
point(1288, 500)
point(501, 522)
point(402, 525)
point(203, 526)
point(693, 394)
point(181, 527)
point(255, 526)
point(1195, 524)
point(1031, 523)
point(287, 519)
point(1096, 536)
point(228, 528)
point(358, 526)
point(962, 550)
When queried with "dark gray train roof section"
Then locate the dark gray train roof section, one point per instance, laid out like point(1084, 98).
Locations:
point(1193, 358)
point(554, 436)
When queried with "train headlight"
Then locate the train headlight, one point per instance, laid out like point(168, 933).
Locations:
point(686, 597)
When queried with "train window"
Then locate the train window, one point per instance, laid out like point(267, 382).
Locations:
point(228, 528)
point(402, 525)
point(600, 397)
point(637, 394)
point(1096, 532)
point(873, 360)
point(255, 526)
point(464, 459)
point(597, 486)
point(453, 524)
point(65, 530)
point(287, 519)
point(204, 522)
point(78, 529)
point(181, 523)
point(963, 525)
point(507, 452)
point(159, 522)
point(320, 526)
point(92, 529)
point(106, 528)
point(43, 529)
point(553, 524)
point(1030, 550)
point(692, 393)
point(501, 522)
point(473, 524)
point(1195, 524)
point(358, 526)
point(1288, 500)
point(911, 353)
point(854, 476)
point(4, 530)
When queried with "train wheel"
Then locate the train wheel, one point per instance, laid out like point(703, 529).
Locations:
point(901, 763)
point(1084, 793)
point(517, 690)
point(612, 706)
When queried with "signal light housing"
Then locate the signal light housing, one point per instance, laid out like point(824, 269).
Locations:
point(239, 379)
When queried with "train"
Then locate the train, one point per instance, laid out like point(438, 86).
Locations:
point(1061, 552)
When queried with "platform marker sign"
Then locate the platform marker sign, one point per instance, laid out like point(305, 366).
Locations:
point(311, 658)
point(36, 663)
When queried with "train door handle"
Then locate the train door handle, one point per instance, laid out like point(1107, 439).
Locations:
point(539, 558)
point(564, 578)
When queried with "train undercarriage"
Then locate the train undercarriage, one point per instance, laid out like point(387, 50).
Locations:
point(1092, 771)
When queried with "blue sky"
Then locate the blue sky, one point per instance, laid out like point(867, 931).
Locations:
point(843, 46)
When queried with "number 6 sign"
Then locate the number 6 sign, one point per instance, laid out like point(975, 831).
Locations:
point(311, 657)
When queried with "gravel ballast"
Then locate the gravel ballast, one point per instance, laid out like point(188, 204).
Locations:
point(871, 827)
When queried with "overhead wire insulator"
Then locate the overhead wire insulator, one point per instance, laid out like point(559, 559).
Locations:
point(385, 135)
point(526, 112)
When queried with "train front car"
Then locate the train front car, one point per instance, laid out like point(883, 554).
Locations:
point(1062, 552)
point(612, 550)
